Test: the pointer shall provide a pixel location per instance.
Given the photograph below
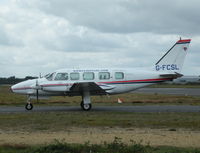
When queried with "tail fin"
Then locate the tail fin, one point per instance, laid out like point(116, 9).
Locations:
point(173, 60)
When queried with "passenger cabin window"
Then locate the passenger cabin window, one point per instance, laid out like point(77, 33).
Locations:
point(119, 75)
point(88, 76)
point(104, 75)
point(74, 76)
point(61, 76)
point(50, 76)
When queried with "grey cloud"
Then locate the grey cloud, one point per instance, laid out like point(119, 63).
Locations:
point(3, 38)
point(41, 36)
point(7, 39)
point(38, 29)
point(89, 42)
point(118, 16)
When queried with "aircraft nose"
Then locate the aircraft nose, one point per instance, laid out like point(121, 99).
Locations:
point(22, 87)
point(17, 88)
point(12, 88)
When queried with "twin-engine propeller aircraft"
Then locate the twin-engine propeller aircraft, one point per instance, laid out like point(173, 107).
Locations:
point(88, 82)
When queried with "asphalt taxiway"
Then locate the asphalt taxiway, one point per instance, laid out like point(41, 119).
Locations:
point(121, 108)
point(136, 109)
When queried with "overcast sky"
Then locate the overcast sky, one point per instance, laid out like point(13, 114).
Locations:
point(40, 36)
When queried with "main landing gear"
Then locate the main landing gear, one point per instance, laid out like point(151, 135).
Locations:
point(86, 107)
point(29, 105)
point(86, 102)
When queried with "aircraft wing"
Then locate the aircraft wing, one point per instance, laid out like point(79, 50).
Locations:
point(92, 87)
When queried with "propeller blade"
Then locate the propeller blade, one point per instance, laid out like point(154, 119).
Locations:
point(36, 83)
point(37, 90)
point(37, 94)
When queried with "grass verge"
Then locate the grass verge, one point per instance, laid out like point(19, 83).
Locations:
point(114, 147)
point(58, 121)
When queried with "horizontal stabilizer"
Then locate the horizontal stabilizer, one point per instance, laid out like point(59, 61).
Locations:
point(173, 76)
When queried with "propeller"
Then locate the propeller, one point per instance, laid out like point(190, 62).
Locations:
point(37, 87)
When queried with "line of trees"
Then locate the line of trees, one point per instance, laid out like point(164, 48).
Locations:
point(14, 80)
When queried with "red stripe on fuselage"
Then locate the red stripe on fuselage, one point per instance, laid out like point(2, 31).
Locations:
point(46, 85)
point(23, 88)
point(145, 80)
point(128, 81)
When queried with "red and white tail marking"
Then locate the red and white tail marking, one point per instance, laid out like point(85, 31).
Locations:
point(173, 60)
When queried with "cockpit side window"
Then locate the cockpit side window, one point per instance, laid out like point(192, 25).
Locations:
point(61, 76)
point(50, 76)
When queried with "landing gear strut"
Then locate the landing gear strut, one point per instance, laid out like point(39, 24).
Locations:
point(86, 102)
point(29, 105)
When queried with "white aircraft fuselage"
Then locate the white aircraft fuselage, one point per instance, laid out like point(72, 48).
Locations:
point(103, 81)
point(111, 82)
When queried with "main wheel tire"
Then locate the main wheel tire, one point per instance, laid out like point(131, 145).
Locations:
point(29, 106)
point(86, 107)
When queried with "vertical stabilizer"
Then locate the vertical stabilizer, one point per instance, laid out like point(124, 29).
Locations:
point(173, 60)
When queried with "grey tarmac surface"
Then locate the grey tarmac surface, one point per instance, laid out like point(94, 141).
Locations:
point(138, 109)
point(121, 108)
point(171, 91)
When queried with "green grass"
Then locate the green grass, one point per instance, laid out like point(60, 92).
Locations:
point(8, 98)
point(33, 122)
point(114, 147)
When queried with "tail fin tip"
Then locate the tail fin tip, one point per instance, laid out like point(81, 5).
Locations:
point(184, 41)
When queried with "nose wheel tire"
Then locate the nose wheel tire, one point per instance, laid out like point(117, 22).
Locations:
point(86, 107)
point(29, 106)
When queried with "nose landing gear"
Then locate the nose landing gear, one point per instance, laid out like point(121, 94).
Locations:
point(29, 105)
